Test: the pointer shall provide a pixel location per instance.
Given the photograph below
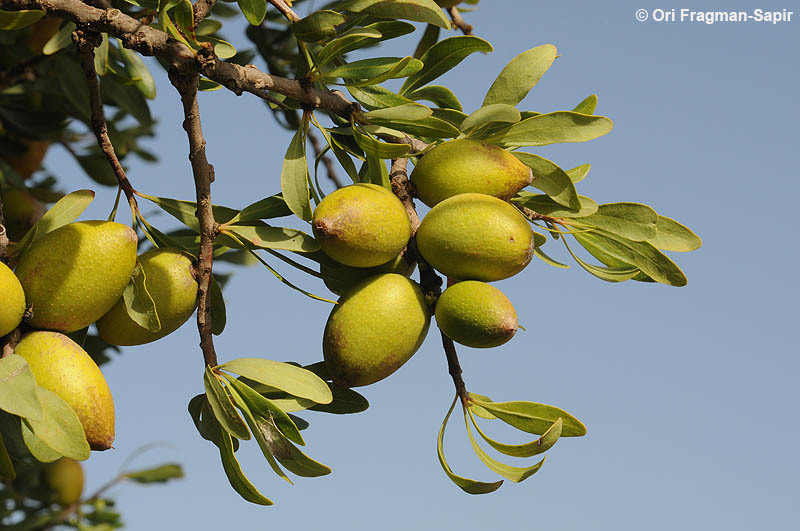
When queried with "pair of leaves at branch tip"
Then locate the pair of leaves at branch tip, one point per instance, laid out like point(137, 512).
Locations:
point(139, 303)
point(553, 128)
point(531, 417)
point(284, 376)
point(14, 20)
point(442, 57)
point(551, 179)
point(543, 204)
point(441, 96)
point(159, 474)
point(530, 449)
point(415, 10)
point(520, 75)
point(470, 486)
point(295, 176)
point(65, 211)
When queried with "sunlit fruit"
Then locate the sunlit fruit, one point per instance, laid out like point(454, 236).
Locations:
point(65, 479)
point(361, 225)
point(12, 307)
point(476, 237)
point(62, 366)
point(476, 314)
point(21, 211)
point(339, 278)
point(374, 329)
point(28, 162)
point(465, 165)
point(171, 284)
point(73, 275)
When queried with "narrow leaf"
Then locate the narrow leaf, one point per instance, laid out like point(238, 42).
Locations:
point(534, 418)
point(138, 72)
point(233, 470)
point(489, 114)
point(294, 380)
point(442, 57)
point(7, 472)
point(617, 271)
point(536, 447)
point(159, 474)
point(345, 401)
point(294, 177)
point(376, 148)
point(545, 205)
point(263, 407)
point(223, 407)
point(38, 449)
point(217, 303)
point(317, 26)
point(375, 69)
point(520, 75)
point(139, 303)
point(579, 173)
point(415, 10)
point(259, 235)
point(60, 40)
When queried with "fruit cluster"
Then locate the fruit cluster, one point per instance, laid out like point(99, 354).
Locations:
point(472, 235)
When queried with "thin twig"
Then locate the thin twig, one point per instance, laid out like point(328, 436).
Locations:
point(11, 342)
point(330, 168)
point(202, 8)
point(284, 8)
point(535, 216)
point(186, 84)
point(86, 44)
point(458, 21)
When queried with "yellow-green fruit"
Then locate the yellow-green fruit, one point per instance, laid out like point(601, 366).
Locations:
point(340, 278)
point(374, 329)
point(21, 211)
point(462, 166)
point(12, 306)
point(476, 237)
point(74, 275)
point(476, 314)
point(65, 479)
point(62, 366)
point(173, 288)
point(361, 225)
point(31, 159)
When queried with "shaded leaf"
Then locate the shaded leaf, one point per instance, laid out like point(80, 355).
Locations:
point(217, 302)
point(186, 211)
point(60, 40)
point(376, 148)
point(348, 41)
point(407, 111)
point(442, 57)
point(616, 271)
point(37, 448)
point(18, 388)
point(222, 406)
point(261, 406)
point(429, 37)
point(520, 75)
point(138, 72)
point(375, 69)
point(159, 474)
point(14, 20)
point(317, 26)
point(440, 96)
point(233, 470)
point(294, 380)
point(345, 401)
point(267, 208)
point(60, 428)
point(7, 472)
point(377, 97)
point(294, 177)
point(139, 303)
point(427, 127)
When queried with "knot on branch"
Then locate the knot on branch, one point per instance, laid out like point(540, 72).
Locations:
point(86, 40)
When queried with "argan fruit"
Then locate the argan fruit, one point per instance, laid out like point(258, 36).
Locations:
point(65, 479)
point(476, 314)
point(340, 278)
point(30, 161)
point(475, 237)
point(463, 166)
point(361, 225)
point(374, 329)
point(13, 306)
point(21, 211)
point(171, 284)
point(73, 275)
point(63, 367)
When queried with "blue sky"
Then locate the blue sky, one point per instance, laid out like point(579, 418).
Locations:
point(689, 394)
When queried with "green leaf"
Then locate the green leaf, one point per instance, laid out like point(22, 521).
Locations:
point(159, 474)
point(478, 410)
point(520, 75)
point(633, 221)
point(294, 380)
point(536, 447)
point(377, 97)
point(513, 473)
point(443, 56)
point(642, 255)
point(440, 96)
point(253, 10)
point(260, 406)
point(429, 37)
point(139, 303)
point(541, 255)
point(127, 97)
point(617, 270)
point(450, 115)
point(427, 127)
point(14, 20)
point(490, 114)
point(18, 388)
point(138, 72)
point(408, 112)
point(346, 42)
point(376, 172)
point(38, 449)
point(289, 455)
point(374, 67)
point(376, 148)
point(267, 208)
point(553, 128)
point(587, 106)
point(317, 26)
point(673, 236)
point(217, 303)
point(415, 10)
point(186, 211)
point(542, 204)
point(233, 470)
point(551, 179)
point(60, 40)
point(101, 56)
point(65, 211)
point(60, 428)
point(578, 173)
point(7, 472)
point(223, 408)
point(345, 401)
point(262, 236)
point(294, 176)
point(533, 418)
point(470, 486)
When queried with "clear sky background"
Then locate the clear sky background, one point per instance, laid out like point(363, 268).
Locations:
point(689, 394)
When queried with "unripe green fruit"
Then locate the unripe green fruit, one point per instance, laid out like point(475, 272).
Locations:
point(476, 237)
point(21, 211)
point(374, 329)
point(63, 367)
point(462, 166)
point(340, 278)
point(476, 314)
point(75, 274)
point(173, 288)
point(12, 307)
point(361, 225)
point(65, 479)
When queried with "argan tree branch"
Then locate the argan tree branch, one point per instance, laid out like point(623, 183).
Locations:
point(201, 10)
point(186, 84)
point(87, 42)
point(285, 10)
point(458, 21)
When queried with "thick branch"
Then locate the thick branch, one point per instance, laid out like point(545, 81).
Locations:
point(201, 10)
point(86, 45)
point(186, 84)
point(285, 10)
point(458, 21)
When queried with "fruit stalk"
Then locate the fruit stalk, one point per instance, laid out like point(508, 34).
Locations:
point(458, 20)
point(186, 85)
